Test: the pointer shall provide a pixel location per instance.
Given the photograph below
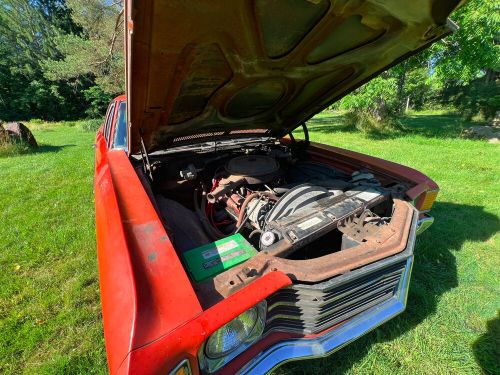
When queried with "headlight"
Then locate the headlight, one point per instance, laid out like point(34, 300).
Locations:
point(233, 334)
point(234, 337)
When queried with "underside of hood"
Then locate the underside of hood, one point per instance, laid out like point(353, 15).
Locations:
point(265, 66)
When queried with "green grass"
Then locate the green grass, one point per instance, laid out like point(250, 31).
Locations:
point(49, 298)
point(13, 149)
point(49, 301)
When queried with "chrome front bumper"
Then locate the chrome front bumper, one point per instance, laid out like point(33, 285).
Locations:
point(424, 223)
point(324, 345)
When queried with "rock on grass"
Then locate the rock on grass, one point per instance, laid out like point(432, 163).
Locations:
point(17, 132)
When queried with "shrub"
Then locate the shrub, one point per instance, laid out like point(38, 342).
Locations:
point(37, 121)
point(366, 122)
point(479, 99)
point(374, 107)
point(91, 125)
point(98, 101)
point(377, 96)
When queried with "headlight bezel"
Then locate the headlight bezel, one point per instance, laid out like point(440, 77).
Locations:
point(210, 363)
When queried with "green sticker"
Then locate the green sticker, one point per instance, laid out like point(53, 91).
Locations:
point(209, 260)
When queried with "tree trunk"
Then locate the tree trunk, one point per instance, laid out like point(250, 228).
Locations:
point(379, 111)
point(490, 75)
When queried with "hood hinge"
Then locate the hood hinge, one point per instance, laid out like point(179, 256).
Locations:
point(306, 133)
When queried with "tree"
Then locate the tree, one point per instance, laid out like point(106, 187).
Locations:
point(27, 32)
point(58, 58)
point(474, 49)
point(93, 54)
point(467, 63)
point(62, 58)
point(97, 51)
point(462, 70)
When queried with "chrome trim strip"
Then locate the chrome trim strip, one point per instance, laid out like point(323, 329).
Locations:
point(424, 223)
point(324, 345)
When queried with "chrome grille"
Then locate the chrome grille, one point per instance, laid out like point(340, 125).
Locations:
point(313, 308)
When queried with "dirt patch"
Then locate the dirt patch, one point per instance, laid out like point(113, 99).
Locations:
point(489, 133)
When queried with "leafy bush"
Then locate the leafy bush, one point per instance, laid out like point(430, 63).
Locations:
point(374, 107)
point(98, 101)
point(37, 121)
point(478, 99)
point(378, 95)
point(90, 125)
point(419, 89)
point(368, 123)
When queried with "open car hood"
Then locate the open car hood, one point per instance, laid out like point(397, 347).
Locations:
point(265, 66)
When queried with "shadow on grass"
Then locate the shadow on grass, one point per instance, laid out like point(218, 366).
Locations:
point(434, 273)
point(487, 347)
point(50, 148)
point(19, 150)
point(430, 126)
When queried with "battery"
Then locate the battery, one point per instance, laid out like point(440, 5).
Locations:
point(209, 260)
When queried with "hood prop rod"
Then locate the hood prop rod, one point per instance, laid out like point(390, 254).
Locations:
point(306, 132)
point(145, 159)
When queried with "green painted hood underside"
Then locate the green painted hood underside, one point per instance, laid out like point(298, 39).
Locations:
point(227, 68)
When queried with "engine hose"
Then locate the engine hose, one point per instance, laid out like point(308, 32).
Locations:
point(247, 216)
point(209, 229)
point(255, 232)
point(281, 190)
point(247, 200)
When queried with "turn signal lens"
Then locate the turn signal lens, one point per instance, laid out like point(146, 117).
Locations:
point(182, 368)
point(426, 201)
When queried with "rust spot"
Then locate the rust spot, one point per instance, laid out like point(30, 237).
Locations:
point(152, 256)
point(148, 228)
point(163, 238)
point(393, 239)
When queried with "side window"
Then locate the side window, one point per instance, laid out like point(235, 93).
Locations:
point(109, 121)
point(120, 136)
point(108, 111)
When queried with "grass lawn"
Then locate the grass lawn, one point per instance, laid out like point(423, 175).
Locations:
point(49, 297)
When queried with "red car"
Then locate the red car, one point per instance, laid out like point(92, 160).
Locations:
point(225, 243)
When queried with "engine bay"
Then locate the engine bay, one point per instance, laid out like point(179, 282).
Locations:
point(270, 199)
